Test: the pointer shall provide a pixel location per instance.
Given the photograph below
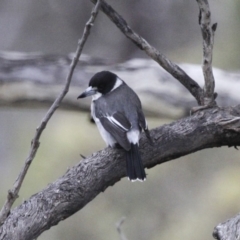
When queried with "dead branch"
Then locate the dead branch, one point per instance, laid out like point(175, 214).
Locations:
point(13, 193)
point(208, 31)
point(152, 52)
point(83, 182)
point(228, 230)
point(119, 228)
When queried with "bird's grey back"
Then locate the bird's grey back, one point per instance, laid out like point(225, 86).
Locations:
point(122, 98)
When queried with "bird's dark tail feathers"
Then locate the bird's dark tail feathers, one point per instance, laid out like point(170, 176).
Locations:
point(135, 169)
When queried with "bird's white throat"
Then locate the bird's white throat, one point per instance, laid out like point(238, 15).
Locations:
point(96, 96)
point(118, 83)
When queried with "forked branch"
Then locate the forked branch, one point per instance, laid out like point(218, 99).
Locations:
point(152, 52)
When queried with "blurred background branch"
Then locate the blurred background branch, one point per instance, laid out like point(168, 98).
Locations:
point(161, 94)
point(119, 228)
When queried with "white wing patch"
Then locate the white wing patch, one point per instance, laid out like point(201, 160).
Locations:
point(115, 122)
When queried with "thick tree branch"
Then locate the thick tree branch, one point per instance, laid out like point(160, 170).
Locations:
point(152, 52)
point(208, 41)
point(79, 185)
point(13, 193)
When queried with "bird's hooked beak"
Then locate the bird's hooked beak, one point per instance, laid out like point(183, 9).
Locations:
point(88, 92)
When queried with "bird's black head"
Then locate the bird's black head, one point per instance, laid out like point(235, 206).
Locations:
point(103, 81)
point(100, 84)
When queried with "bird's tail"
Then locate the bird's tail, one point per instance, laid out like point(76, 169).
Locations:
point(135, 169)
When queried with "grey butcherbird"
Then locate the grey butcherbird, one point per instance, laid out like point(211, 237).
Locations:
point(117, 111)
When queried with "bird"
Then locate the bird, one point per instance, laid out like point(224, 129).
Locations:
point(117, 112)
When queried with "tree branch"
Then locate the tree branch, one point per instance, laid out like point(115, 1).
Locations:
point(13, 193)
point(152, 52)
point(119, 228)
point(208, 41)
point(229, 230)
point(40, 89)
point(79, 185)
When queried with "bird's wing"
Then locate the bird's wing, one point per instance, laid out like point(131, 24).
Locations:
point(142, 121)
point(117, 125)
point(143, 125)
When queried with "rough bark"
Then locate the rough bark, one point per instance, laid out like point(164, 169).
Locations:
point(79, 185)
point(208, 41)
point(34, 80)
point(228, 230)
